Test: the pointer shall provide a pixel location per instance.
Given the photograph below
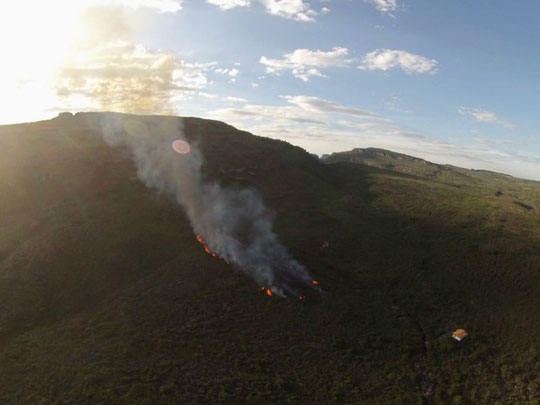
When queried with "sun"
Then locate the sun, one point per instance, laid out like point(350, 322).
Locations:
point(36, 37)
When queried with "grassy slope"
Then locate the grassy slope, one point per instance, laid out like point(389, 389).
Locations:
point(106, 294)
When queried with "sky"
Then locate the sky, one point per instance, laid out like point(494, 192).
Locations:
point(451, 82)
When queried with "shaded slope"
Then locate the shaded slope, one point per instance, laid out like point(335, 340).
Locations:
point(109, 296)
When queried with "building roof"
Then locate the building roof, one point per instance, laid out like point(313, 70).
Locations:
point(460, 333)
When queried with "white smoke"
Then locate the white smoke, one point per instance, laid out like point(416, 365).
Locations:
point(234, 223)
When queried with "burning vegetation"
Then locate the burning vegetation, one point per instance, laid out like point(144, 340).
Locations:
point(207, 250)
point(285, 290)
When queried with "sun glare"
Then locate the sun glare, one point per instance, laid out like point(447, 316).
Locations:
point(36, 38)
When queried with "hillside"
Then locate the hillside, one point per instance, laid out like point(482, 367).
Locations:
point(399, 162)
point(106, 294)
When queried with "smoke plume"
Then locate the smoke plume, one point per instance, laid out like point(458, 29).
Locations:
point(234, 223)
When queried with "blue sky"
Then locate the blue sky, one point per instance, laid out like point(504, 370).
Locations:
point(452, 82)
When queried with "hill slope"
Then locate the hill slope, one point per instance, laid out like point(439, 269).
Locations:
point(107, 295)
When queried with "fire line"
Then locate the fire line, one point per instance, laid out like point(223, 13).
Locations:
point(207, 249)
point(268, 291)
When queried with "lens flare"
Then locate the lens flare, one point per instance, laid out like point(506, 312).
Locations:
point(181, 147)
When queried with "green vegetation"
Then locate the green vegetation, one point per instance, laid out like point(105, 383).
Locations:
point(107, 296)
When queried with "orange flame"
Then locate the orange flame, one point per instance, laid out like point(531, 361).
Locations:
point(269, 292)
point(315, 282)
point(207, 249)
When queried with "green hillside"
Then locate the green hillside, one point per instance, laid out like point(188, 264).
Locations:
point(106, 296)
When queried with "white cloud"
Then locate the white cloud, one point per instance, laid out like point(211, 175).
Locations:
point(319, 105)
point(385, 59)
point(325, 10)
point(298, 110)
point(228, 4)
point(161, 5)
point(229, 72)
point(297, 10)
point(481, 115)
point(305, 63)
point(71, 5)
point(164, 6)
point(215, 97)
point(235, 99)
point(288, 115)
point(385, 6)
point(124, 76)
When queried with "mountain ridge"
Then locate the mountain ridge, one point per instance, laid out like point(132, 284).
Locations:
point(383, 158)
